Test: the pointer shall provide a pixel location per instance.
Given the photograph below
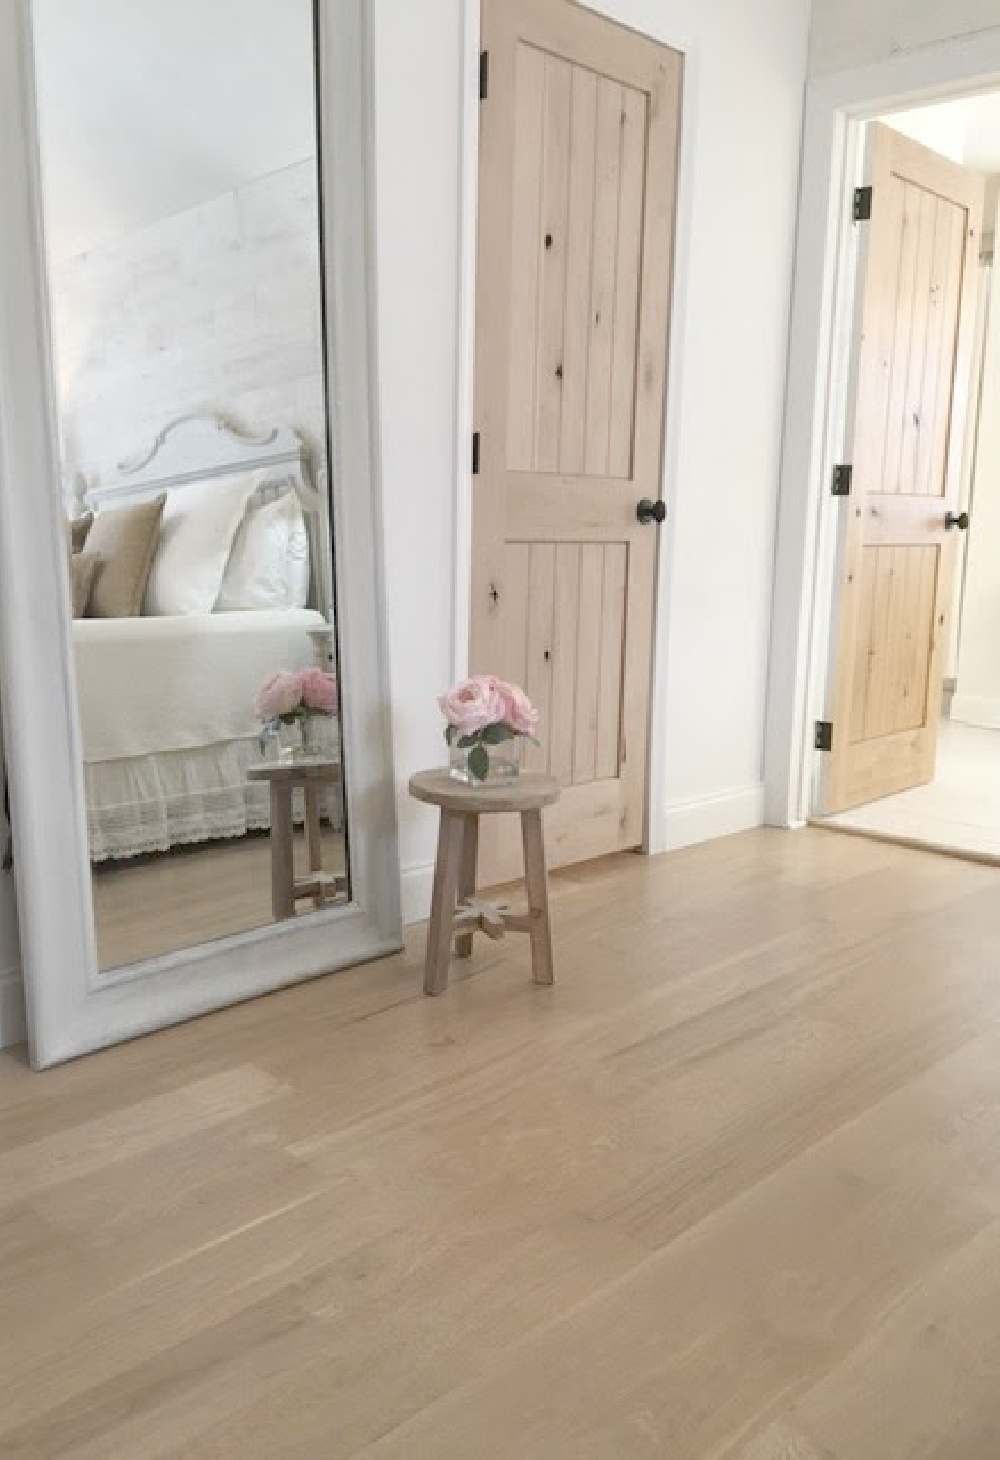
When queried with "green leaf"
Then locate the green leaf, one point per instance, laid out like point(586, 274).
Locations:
point(497, 734)
point(479, 762)
point(468, 741)
point(449, 734)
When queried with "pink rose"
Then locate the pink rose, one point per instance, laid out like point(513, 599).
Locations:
point(279, 695)
point(518, 711)
point(319, 690)
point(472, 705)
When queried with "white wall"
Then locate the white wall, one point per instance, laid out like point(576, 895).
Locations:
point(852, 32)
point(214, 309)
point(742, 123)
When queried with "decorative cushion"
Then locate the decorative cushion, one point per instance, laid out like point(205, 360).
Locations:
point(123, 540)
point(196, 539)
point(82, 567)
point(78, 530)
point(269, 563)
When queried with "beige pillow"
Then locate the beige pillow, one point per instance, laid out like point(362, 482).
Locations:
point(78, 529)
point(82, 568)
point(124, 542)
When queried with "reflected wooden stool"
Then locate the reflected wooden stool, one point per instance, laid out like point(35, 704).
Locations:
point(455, 911)
point(284, 777)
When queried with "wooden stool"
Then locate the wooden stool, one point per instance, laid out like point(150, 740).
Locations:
point(283, 777)
point(455, 913)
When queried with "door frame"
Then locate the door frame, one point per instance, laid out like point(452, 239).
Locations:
point(655, 810)
point(819, 356)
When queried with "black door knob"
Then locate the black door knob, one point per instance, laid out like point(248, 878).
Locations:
point(648, 511)
point(956, 519)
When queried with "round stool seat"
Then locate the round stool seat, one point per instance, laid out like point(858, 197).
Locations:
point(528, 792)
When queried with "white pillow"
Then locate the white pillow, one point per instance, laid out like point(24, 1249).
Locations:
point(196, 537)
point(269, 564)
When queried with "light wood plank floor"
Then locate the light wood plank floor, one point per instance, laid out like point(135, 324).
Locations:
point(731, 1189)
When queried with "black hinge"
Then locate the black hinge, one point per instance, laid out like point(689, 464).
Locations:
point(475, 453)
point(824, 735)
point(862, 204)
point(841, 486)
point(484, 74)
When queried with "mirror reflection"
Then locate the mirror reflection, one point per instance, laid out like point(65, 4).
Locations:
point(182, 229)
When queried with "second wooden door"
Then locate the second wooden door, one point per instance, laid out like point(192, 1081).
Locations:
point(576, 220)
point(901, 525)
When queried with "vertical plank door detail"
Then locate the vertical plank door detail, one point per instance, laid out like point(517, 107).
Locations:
point(577, 188)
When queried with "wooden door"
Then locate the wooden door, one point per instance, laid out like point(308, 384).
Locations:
point(898, 555)
point(578, 160)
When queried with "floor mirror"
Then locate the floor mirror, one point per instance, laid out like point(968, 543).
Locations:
point(195, 690)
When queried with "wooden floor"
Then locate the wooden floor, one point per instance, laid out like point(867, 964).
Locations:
point(192, 895)
point(731, 1189)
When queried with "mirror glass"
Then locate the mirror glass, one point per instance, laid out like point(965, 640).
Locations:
point(182, 223)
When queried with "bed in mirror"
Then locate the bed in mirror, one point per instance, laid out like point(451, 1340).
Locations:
point(201, 776)
point(180, 743)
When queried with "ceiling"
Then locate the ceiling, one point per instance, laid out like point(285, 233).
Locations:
point(148, 107)
point(967, 131)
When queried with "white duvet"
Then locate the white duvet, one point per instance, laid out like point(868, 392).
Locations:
point(148, 685)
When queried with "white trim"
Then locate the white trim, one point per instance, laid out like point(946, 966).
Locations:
point(71, 1008)
point(417, 883)
point(723, 814)
point(655, 818)
point(465, 324)
point(13, 1024)
point(979, 710)
point(801, 609)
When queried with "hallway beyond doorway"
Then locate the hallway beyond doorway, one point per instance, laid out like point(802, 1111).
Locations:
point(957, 812)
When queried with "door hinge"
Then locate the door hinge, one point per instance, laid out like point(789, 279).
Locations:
point(824, 735)
point(484, 74)
point(475, 453)
point(841, 486)
point(862, 205)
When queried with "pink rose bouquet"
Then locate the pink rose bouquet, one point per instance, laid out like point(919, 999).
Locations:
point(288, 697)
point(484, 713)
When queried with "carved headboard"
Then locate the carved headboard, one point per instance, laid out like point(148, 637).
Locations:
point(197, 447)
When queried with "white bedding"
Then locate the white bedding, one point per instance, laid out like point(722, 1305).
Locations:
point(151, 685)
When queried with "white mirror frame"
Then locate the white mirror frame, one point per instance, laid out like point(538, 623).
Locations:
point(71, 1006)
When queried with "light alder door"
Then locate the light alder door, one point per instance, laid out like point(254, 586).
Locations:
point(578, 162)
point(898, 553)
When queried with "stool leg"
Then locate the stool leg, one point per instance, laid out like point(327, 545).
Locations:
point(538, 897)
point(314, 834)
point(443, 900)
point(282, 867)
point(467, 876)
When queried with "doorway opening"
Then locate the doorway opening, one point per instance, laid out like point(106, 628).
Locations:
point(908, 743)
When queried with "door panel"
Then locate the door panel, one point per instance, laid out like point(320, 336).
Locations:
point(897, 558)
point(577, 182)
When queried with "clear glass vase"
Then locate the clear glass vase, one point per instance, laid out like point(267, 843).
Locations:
point(305, 738)
point(485, 765)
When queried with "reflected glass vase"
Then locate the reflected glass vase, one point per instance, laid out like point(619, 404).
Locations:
point(305, 738)
point(486, 765)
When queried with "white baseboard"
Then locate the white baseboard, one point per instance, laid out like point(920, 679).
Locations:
point(976, 710)
point(416, 889)
point(689, 822)
point(13, 1029)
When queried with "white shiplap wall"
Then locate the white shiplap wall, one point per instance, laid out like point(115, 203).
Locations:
point(849, 33)
point(214, 309)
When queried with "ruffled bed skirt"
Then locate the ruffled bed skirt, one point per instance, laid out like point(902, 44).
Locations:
point(154, 802)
